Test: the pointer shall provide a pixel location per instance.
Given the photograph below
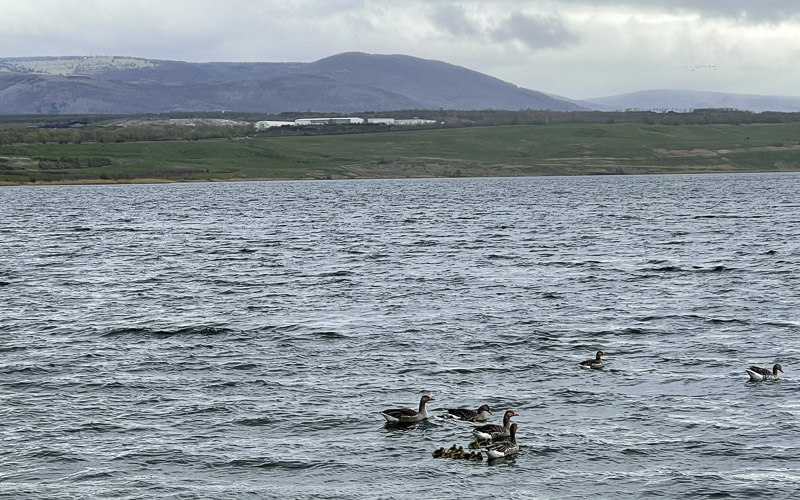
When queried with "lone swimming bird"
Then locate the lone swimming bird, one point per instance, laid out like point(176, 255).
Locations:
point(594, 364)
point(479, 415)
point(504, 449)
point(407, 415)
point(757, 373)
point(494, 431)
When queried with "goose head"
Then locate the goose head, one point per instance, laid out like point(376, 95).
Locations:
point(507, 417)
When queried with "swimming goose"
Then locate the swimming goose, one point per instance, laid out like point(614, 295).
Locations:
point(757, 373)
point(407, 415)
point(504, 449)
point(494, 431)
point(594, 364)
point(479, 415)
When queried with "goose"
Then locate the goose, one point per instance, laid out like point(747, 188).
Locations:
point(407, 415)
point(494, 431)
point(504, 449)
point(479, 415)
point(594, 364)
point(757, 373)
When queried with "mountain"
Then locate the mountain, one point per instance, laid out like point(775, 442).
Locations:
point(343, 83)
point(433, 84)
point(688, 100)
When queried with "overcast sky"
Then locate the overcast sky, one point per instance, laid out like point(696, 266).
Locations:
point(573, 48)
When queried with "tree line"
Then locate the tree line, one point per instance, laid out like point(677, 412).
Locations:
point(140, 133)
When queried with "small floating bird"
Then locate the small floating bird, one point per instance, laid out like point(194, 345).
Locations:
point(407, 415)
point(479, 415)
point(504, 449)
point(757, 373)
point(458, 452)
point(494, 431)
point(594, 364)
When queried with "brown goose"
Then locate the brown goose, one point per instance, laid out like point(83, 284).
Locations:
point(407, 415)
point(494, 431)
point(506, 448)
point(757, 373)
point(594, 364)
point(479, 415)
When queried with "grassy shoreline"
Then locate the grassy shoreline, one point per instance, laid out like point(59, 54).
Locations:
point(507, 150)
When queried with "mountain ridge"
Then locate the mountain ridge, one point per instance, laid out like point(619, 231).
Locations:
point(342, 83)
point(349, 82)
point(688, 100)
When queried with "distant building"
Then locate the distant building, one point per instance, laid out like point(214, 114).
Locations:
point(403, 122)
point(414, 121)
point(272, 124)
point(329, 121)
point(312, 121)
point(343, 120)
point(353, 120)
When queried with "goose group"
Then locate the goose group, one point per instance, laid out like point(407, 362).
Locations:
point(486, 434)
point(500, 441)
point(756, 373)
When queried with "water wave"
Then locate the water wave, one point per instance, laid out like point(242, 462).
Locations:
point(229, 340)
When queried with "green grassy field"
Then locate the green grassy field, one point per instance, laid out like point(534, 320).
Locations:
point(563, 149)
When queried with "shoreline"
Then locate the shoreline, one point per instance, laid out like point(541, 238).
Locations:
point(631, 172)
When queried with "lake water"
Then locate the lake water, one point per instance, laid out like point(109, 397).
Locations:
point(238, 340)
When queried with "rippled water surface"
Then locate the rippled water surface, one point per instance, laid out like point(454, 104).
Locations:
point(238, 340)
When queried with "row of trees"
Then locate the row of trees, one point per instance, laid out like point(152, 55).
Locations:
point(542, 117)
point(33, 135)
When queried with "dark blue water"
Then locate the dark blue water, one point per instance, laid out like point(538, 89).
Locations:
point(238, 340)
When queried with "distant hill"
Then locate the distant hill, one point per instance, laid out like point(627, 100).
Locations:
point(349, 82)
point(687, 100)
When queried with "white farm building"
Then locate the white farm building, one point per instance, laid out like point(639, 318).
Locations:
point(272, 123)
point(329, 121)
point(413, 122)
point(400, 122)
point(381, 121)
point(348, 120)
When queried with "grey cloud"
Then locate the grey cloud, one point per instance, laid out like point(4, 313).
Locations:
point(744, 10)
point(535, 32)
point(750, 11)
point(453, 19)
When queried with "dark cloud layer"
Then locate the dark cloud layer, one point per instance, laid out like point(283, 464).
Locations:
point(534, 31)
point(753, 11)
